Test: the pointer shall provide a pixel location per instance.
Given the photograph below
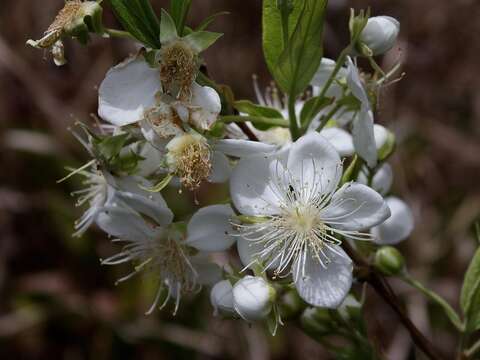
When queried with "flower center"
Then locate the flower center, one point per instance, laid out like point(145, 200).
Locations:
point(189, 157)
point(302, 219)
point(164, 120)
point(178, 68)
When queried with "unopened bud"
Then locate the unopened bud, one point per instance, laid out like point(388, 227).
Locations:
point(253, 298)
point(380, 34)
point(389, 261)
point(221, 298)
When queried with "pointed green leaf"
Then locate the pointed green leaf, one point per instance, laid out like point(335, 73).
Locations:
point(278, 21)
point(179, 10)
point(248, 107)
point(311, 108)
point(168, 29)
point(301, 58)
point(201, 40)
point(254, 110)
point(205, 23)
point(138, 18)
point(470, 295)
point(110, 146)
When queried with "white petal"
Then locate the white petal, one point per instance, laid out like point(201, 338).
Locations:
point(247, 250)
point(382, 179)
point(146, 203)
point(325, 287)
point(340, 139)
point(241, 148)
point(206, 106)
point(208, 272)
point(323, 74)
point(209, 229)
point(355, 207)
point(314, 163)
point(221, 297)
point(124, 224)
point(250, 186)
point(396, 228)
point(220, 168)
point(152, 160)
point(363, 137)
point(381, 135)
point(127, 91)
point(355, 84)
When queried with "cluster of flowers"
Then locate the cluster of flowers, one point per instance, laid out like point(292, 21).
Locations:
point(293, 202)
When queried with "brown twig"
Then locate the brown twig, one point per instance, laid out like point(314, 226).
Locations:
point(369, 275)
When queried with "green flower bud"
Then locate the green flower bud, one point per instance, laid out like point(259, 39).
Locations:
point(389, 261)
point(290, 304)
point(316, 322)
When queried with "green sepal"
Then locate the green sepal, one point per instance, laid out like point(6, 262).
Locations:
point(168, 29)
point(388, 148)
point(202, 40)
point(160, 185)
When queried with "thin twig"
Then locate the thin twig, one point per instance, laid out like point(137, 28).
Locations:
point(382, 288)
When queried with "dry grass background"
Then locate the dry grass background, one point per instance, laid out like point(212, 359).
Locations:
point(56, 302)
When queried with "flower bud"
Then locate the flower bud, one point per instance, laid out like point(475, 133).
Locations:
point(380, 34)
point(389, 261)
point(253, 298)
point(221, 298)
point(316, 322)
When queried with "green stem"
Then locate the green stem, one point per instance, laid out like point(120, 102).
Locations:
point(119, 33)
point(325, 118)
point(294, 130)
point(375, 66)
point(254, 119)
point(338, 65)
point(451, 314)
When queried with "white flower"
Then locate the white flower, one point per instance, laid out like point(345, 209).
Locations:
point(253, 298)
point(380, 34)
point(102, 189)
point(221, 298)
point(295, 191)
point(362, 131)
point(396, 228)
point(163, 251)
point(132, 89)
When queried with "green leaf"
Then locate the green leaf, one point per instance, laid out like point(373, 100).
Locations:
point(470, 295)
point(110, 146)
point(138, 18)
point(278, 21)
point(301, 58)
point(205, 23)
point(160, 185)
point(311, 108)
point(201, 40)
point(179, 10)
point(254, 110)
point(168, 29)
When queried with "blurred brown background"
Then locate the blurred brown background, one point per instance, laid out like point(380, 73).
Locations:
point(56, 302)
